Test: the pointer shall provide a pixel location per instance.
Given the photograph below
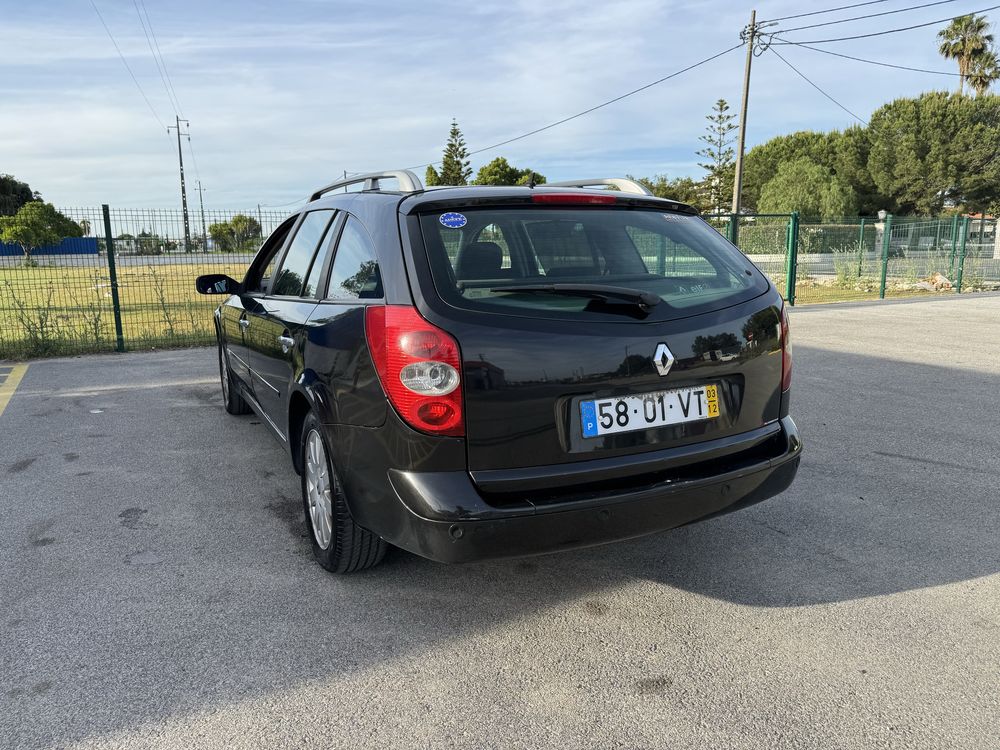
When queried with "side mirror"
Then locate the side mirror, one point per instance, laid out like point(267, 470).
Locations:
point(216, 283)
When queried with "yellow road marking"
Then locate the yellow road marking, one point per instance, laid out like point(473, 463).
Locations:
point(9, 382)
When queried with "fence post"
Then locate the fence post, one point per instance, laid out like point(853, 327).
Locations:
point(792, 257)
point(954, 239)
point(861, 246)
point(113, 274)
point(961, 255)
point(734, 229)
point(886, 238)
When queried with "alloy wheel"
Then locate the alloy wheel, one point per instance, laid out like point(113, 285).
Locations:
point(318, 489)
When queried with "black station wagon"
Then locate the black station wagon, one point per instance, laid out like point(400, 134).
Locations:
point(482, 372)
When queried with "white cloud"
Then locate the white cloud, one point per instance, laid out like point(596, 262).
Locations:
point(283, 98)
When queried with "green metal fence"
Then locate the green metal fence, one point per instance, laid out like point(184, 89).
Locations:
point(134, 292)
point(137, 291)
point(869, 257)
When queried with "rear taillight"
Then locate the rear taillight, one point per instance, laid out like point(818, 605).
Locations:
point(419, 366)
point(786, 351)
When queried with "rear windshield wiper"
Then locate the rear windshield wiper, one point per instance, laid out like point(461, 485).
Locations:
point(643, 299)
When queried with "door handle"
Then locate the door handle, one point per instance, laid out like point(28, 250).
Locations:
point(244, 323)
point(287, 342)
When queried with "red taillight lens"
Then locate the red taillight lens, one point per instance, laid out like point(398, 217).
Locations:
point(577, 198)
point(419, 366)
point(786, 351)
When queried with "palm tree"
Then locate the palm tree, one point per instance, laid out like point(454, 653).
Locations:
point(964, 39)
point(985, 70)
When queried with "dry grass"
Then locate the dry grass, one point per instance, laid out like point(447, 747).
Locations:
point(48, 310)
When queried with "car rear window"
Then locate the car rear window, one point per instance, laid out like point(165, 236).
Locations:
point(479, 257)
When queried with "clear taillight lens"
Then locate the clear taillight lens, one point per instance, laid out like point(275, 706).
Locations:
point(418, 365)
point(786, 351)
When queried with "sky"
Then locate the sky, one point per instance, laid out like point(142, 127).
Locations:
point(283, 97)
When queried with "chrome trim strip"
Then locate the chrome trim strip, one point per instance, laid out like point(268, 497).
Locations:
point(262, 380)
point(237, 357)
point(259, 411)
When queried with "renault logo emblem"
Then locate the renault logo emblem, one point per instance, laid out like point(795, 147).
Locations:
point(663, 359)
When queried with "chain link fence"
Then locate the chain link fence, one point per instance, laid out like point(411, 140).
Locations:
point(136, 292)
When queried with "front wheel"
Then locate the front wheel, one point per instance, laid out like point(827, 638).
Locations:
point(339, 544)
point(232, 399)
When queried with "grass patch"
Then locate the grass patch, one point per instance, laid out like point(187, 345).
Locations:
point(52, 310)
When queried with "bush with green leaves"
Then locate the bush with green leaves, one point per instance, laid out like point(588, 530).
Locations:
point(36, 225)
point(241, 234)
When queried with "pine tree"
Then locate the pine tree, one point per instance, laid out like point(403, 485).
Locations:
point(719, 155)
point(455, 169)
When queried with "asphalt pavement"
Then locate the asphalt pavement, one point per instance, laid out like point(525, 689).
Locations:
point(157, 588)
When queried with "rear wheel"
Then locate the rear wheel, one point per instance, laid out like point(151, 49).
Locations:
point(231, 397)
point(339, 544)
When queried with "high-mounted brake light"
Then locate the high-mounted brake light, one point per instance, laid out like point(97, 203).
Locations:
point(418, 365)
point(577, 198)
point(786, 350)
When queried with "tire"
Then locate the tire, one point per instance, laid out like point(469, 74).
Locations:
point(231, 397)
point(339, 544)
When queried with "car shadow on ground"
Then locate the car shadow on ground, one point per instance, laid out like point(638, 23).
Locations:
point(189, 583)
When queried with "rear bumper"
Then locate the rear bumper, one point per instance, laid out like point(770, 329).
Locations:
point(447, 520)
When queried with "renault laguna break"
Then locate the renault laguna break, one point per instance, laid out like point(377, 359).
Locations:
point(483, 372)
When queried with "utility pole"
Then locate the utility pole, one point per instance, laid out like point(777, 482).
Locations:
point(748, 35)
point(184, 198)
point(201, 204)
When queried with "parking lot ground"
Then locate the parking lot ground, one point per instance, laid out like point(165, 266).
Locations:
point(157, 588)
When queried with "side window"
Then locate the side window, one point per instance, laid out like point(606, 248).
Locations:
point(355, 273)
point(298, 260)
point(262, 268)
point(321, 262)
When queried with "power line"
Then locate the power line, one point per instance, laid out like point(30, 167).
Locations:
point(779, 40)
point(828, 10)
point(163, 62)
point(197, 172)
point(870, 15)
point(283, 205)
point(592, 109)
point(125, 63)
point(803, 76)
point(876, 62)
point(156, 60)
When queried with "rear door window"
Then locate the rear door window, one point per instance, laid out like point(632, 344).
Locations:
point(301, 252)
point(676, 257)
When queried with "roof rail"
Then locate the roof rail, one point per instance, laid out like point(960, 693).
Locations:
point(408, 182)
point(623, 184)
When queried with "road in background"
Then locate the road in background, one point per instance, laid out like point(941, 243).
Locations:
point(158, 589)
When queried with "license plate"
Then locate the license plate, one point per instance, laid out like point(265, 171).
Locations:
point(606, 416)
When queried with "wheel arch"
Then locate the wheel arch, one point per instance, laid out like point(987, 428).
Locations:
point(299, 405)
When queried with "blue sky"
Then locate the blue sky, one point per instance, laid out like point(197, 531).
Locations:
point(282, 97)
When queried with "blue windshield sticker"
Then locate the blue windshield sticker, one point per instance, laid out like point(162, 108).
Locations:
point(453, 220)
